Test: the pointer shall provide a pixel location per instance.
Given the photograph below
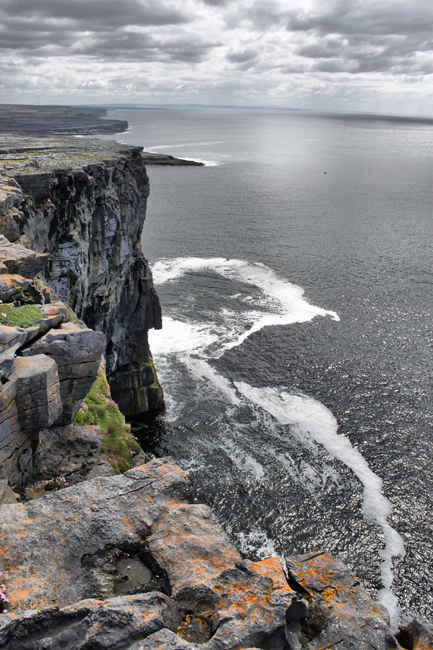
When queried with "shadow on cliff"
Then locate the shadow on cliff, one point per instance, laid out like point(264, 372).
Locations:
point(150, 435)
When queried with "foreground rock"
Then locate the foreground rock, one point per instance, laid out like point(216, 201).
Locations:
point(136, 532)
point(129, 563)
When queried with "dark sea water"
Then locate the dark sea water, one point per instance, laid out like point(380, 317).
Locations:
point(296, 353)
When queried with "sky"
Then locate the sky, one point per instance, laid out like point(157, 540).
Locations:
point(343, 55)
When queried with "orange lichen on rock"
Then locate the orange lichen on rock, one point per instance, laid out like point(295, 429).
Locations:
point(330, 585)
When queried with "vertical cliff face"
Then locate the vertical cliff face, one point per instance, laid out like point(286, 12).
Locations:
point(84, 203)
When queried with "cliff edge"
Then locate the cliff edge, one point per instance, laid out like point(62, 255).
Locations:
point(83, 204)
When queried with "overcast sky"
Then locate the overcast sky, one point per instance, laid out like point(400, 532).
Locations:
point(366, 55)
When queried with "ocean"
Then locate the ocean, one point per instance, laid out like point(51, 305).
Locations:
point(294, 272)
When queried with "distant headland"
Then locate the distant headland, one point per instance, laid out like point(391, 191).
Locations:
point(45, 121)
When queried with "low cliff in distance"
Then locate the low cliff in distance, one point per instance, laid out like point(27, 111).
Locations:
point(83, 204)
point(18, 120)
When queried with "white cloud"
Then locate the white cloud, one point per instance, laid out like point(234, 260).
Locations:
point(341, 54)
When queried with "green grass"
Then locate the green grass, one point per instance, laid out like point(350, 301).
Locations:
point(99, 409)
point(19, 316)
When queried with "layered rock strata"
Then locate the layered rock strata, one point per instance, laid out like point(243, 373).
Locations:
point(81, 205)
point(47, 366)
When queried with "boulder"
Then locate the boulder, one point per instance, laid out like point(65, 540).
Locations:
point(64, 450)
point(7, 495)
point(15, 447)
point(417, 634)
point(103, 625)
point(37, 393)
point(340, 613)
point(14, 287)
point(6, 363)
point(11, 337)
point(29, 400)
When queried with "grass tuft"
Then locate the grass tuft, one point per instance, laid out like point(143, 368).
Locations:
point(99, 409)
point(19, 316)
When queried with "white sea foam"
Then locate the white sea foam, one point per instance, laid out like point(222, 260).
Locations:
point(243, 461)
point(201, 369)
point(312, 419)
point(177, 336)
point(288, 304)
point(258, 542)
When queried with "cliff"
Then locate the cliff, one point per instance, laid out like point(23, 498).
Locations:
point(83, 204)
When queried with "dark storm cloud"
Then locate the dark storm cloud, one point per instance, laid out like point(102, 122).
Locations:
point(131, 46)
point(100, 28)
point(217, 3)
point(349, 17)
point(94, 12)
point(264, 14)
point(242, 56)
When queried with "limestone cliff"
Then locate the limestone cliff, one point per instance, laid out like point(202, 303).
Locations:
point(83, 202)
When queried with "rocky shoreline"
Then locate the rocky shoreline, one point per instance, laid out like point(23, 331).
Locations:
point(100, 549)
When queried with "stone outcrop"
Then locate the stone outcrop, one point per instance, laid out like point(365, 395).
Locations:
point(48, 120)
point(15, 258)
point(340, 612)
point(82, 205)
point(46, 368)
point(130, 563)
point(72, 547)
point(77, 353)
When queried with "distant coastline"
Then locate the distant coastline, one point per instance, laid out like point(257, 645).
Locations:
point(18, 121)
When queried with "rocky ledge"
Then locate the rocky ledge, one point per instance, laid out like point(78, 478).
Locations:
point(130, 562)
point(56, 120)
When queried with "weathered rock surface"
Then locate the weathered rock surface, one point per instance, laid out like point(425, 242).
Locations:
point(37, 393)
point(77, 352)
point(16, 288)
point(350, 618)
point(7, 496)
point(19, 260)
point(62, 451)
point(83, 204)
point(29, 401)
point(46, 383)
point(417, 635)
point(69, 546)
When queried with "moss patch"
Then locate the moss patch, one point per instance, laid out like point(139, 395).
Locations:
point(315, 623)
point(24, 316)
point(99, 409)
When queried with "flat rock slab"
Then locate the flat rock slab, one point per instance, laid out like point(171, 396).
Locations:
point(68, 546)
point(110, 625)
